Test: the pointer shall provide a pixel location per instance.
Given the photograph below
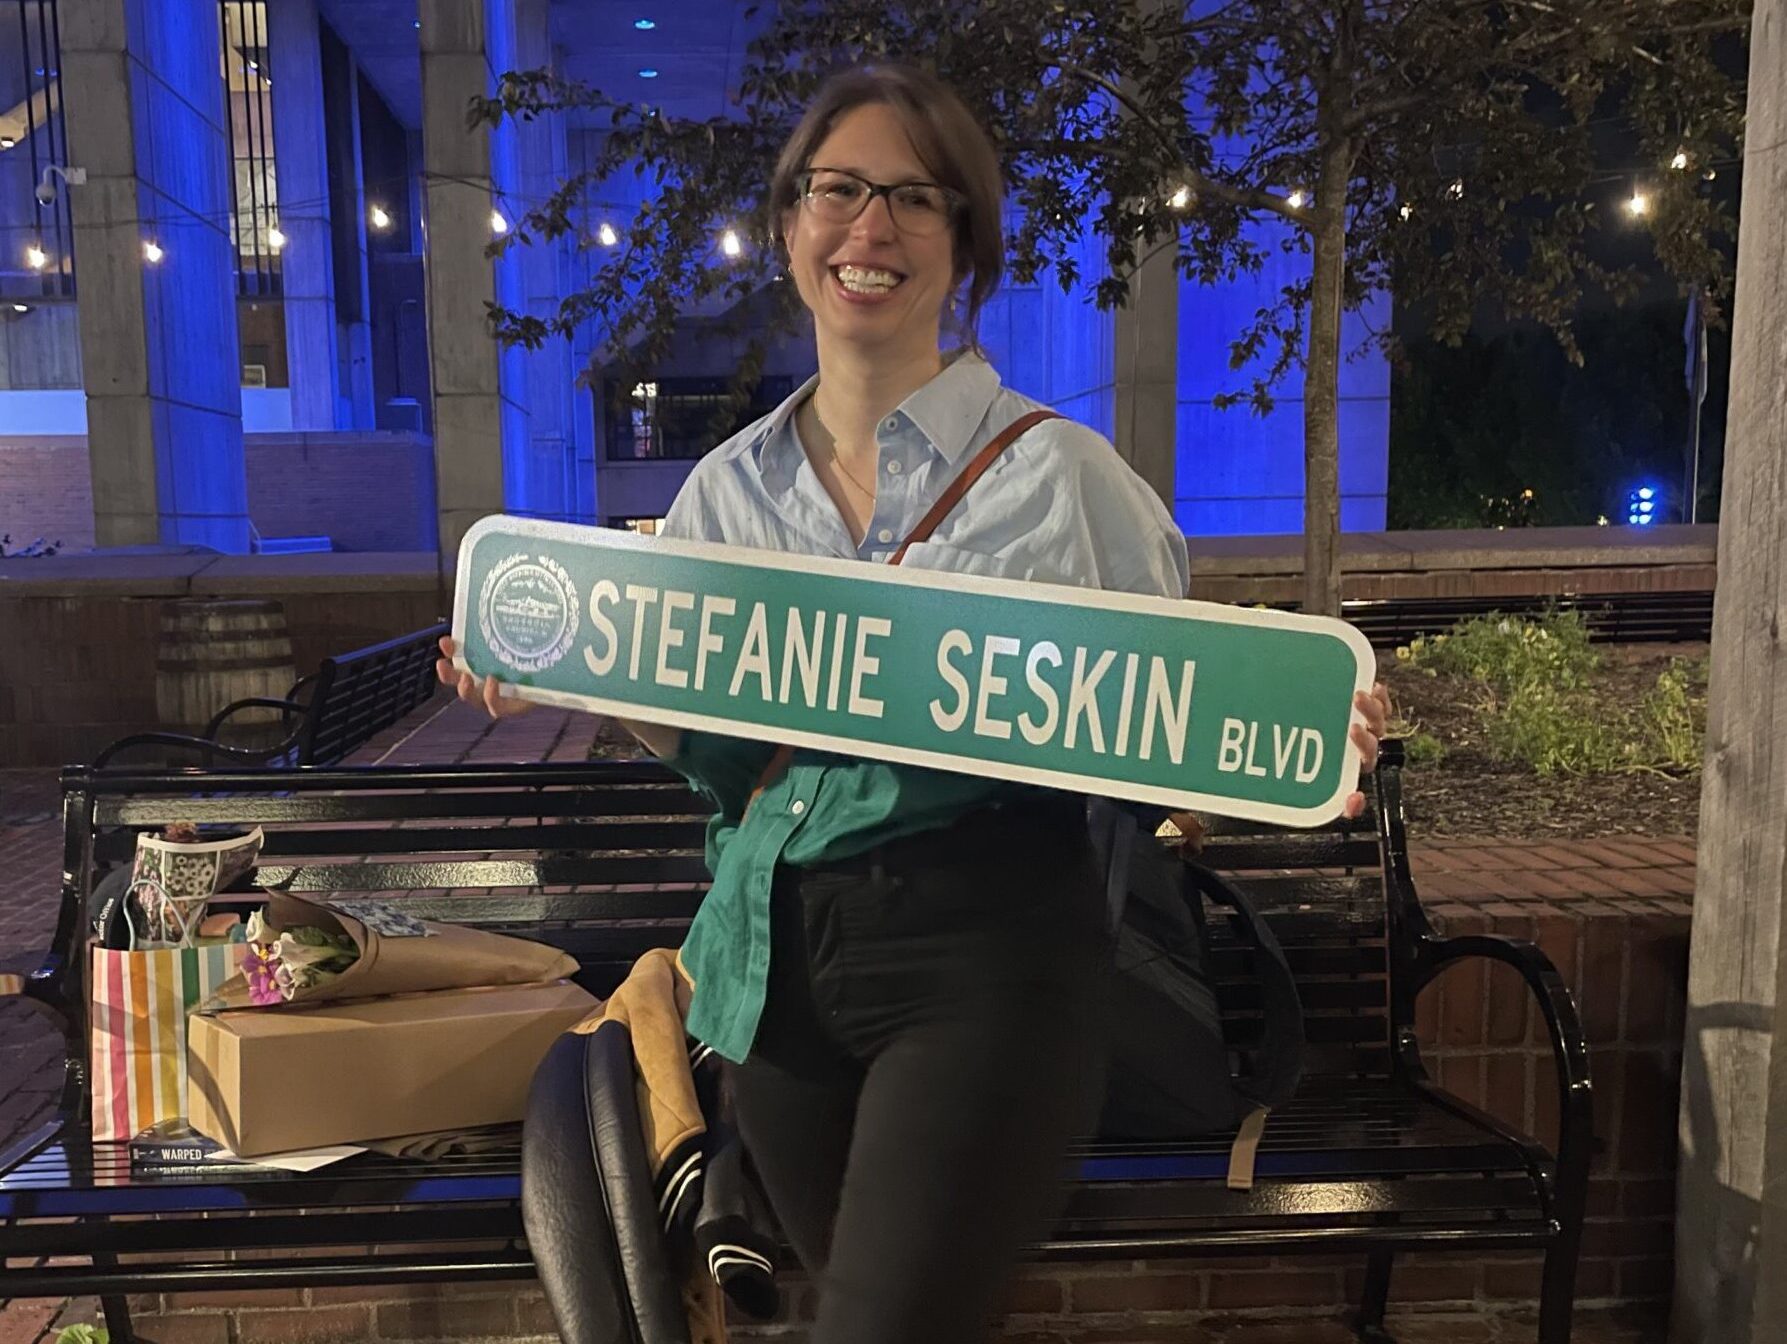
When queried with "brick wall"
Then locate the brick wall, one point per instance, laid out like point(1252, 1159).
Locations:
point(1618, 932)
point(368, 492)
point(45, 490)
point(79, 672)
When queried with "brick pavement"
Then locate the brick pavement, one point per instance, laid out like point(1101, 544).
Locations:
point(1567, 894)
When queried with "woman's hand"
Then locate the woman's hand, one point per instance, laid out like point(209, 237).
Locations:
point(1375, 706)
point(488, 693)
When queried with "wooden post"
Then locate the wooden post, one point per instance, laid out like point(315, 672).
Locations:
point(1731, 1221)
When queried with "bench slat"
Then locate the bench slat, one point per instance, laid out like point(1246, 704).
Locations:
point(587, 836)
point(398, 877)
point(1291, 850)
point(257, 810)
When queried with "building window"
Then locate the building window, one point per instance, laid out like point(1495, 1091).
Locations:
point(254, 183)
point(675, 418)
point(36, 240)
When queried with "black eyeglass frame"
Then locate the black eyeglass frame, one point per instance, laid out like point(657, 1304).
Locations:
point(952, 199)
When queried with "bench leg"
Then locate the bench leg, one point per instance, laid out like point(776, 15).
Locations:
point(1557, 1288)
point(117, 1320)
point(1369, 1323)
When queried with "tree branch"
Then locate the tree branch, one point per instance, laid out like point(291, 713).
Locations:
point(1244, 198)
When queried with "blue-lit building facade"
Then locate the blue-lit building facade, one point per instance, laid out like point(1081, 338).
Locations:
point(259, 322)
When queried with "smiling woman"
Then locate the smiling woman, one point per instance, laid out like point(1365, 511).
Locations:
point(906, 966)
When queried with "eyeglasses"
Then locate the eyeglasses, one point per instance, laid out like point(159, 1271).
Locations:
point(838, 197)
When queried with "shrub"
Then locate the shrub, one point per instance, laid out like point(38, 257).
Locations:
point(1423, 750)
point(1540, 706)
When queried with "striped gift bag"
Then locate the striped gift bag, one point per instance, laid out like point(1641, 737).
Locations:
point(140, 1003)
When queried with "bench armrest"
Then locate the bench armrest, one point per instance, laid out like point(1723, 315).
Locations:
point(289, 708)
point(212, 751)
point(1576, 1120)
point(1569, 1048)
point(42, 987)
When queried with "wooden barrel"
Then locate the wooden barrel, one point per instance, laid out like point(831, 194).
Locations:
point(214, 651)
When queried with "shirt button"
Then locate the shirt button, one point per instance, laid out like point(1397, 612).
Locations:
point(800, 806)
point(890, 424)
point(885, 534)
point(893, 468)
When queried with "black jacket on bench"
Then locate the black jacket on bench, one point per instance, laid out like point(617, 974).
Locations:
point(634, 1238)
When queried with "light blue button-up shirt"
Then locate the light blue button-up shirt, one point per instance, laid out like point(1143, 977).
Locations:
point(1058, 506)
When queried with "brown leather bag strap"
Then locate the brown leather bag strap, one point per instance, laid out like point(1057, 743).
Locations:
point(946, 502)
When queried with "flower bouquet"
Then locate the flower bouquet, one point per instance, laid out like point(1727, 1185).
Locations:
point(301, 951)
point(281, 965)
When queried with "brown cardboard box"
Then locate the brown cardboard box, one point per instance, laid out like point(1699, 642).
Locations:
point(268, 1081)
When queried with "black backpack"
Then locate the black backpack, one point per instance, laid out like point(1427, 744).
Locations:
point(1172, 1075)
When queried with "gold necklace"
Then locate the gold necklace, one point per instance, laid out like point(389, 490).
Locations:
point(838, 462)
point(832, 448)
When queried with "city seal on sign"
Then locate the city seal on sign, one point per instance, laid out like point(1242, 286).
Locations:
point(528, 612)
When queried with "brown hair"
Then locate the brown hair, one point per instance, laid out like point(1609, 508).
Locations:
point(951, 144)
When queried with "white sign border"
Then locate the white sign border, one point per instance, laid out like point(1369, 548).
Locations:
point(1364, 664)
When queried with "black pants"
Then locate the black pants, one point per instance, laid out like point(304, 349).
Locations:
point(932, 1040)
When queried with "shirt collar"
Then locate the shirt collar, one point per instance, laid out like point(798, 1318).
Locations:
point(948, 411)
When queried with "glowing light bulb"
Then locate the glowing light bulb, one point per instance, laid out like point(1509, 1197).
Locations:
point(1180, 199)
point(606, 235)
point(1639, 205)
point(730, 244)
point(498, 225)
point(36, 258)
point(1297, 199)
point(275, 239)
point(378, 218)
point(152, 252)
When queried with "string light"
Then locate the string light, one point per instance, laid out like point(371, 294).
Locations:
point(378, 218)
point(36, 258)
point(21, 307)
point(730, 244)
point(606, 235)
point(1680, 161)
point(1297, 199)
point(275, 239)
point(1405, 210)
point(1639, 205)
point(498, 225)
point(152, 252)
point(1455, 192)
point(1180, 199)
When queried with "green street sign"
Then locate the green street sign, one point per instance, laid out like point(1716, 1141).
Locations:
point(1186, 704)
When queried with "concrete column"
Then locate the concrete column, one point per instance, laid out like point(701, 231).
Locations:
point(480, 430)
point(549, 487)
point(352, 337)
point(1146, 333)
point(300, 158)
point(144, 102)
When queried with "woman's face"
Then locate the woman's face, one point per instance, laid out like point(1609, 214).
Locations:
point(868, 311)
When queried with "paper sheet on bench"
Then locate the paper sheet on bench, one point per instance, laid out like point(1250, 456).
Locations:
point(302, 1159)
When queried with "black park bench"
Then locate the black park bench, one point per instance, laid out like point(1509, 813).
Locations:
point(337, 709)
point(1372, 1159)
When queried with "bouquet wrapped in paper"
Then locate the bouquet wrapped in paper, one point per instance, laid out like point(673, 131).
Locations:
point(301, 951)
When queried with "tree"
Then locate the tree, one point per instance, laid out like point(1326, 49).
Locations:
point(1442, 148)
